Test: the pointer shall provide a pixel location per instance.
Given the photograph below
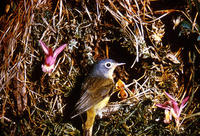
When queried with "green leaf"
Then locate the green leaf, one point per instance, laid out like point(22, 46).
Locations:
point(198, 38)
point(186, 25)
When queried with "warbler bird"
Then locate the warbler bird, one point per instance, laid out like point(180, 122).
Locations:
point(96, 91)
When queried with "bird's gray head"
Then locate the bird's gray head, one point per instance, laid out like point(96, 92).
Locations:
point(105, 68)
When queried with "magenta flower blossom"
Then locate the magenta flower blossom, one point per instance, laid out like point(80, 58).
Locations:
point(172, 109)
point(50, 56)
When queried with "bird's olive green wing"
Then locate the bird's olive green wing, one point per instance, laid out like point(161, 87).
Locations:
point(96, 89)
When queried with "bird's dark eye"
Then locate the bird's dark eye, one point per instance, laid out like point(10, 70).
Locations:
point(108, 64)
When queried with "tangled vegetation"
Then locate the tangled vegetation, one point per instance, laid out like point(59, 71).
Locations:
point(157, 91)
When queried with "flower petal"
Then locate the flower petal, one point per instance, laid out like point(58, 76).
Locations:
point(168, 116)
point(163, 106)
point(170, 97)
point(183, 104)
point(59, 50)
point(184, 101)
point(48, 69)
point(44, 47)
point(174, 114)
point(175, 107)
point(50, 60)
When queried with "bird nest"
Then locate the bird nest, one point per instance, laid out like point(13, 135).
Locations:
point(158, 41)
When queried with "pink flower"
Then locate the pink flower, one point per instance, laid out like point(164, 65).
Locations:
point(172, 109)
point(50, 56)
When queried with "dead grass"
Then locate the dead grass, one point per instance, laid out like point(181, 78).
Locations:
point(35, 103)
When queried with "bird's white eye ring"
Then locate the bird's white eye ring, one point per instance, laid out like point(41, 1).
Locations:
point(108, 64)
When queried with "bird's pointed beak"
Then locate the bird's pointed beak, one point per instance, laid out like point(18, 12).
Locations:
point(119, 64)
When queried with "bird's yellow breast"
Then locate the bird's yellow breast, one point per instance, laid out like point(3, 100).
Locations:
point(102, 103)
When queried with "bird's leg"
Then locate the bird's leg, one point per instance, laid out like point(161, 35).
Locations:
point(91, 113)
